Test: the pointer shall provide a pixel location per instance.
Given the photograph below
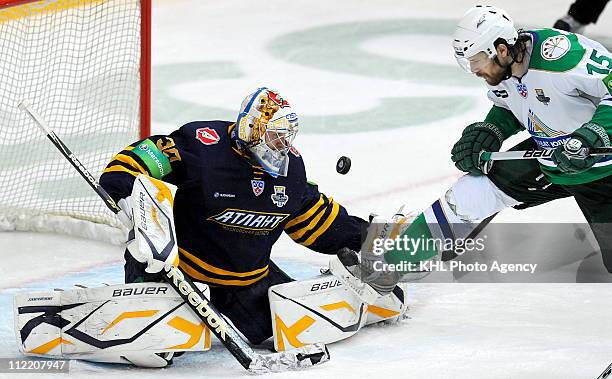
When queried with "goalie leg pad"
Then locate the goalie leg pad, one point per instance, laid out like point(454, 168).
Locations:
point(362, 290)
point(380, 307)
point(324, 310)
point(131, 323)
point(391, 307)
point(314, 310)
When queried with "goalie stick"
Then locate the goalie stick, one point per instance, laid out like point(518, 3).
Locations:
point(255, 363)
point(606, 373)
point(535, 154)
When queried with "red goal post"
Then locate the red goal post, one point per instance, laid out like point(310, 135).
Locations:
point(85, 66)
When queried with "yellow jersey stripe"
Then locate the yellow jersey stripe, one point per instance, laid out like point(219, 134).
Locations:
point(217, 270)
point(130, 161)
point(325, 226)
point(306, 215)
point(240, 153)
point(120, 169)
point(300, 232)
point(199, 276)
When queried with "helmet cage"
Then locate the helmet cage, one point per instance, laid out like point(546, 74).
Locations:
point(266, 128)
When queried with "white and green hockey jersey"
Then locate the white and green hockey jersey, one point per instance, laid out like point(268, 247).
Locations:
point(568, 83)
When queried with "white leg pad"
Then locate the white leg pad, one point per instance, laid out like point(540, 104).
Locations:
point(119, 324)
point(391, 307)
point(324, 310)
point(315, 310)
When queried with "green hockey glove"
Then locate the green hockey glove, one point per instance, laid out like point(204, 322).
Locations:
point(571, 157)
point(476, 137)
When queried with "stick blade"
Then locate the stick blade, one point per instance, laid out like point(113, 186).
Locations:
point(296, 359)
point(27, 108)
point(24, 105)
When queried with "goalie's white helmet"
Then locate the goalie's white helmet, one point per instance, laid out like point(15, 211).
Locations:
point(477, 32)
point(266, 127)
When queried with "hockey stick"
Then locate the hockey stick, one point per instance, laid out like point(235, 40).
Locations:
point(535, 154)
point(256, 363)
point(606, 373)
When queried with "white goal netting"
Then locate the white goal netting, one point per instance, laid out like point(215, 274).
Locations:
point(78, 63)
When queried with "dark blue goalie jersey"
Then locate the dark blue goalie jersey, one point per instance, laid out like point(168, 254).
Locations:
point(227, 212)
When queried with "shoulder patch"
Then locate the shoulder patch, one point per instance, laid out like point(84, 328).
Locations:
point(608, 82)
point(555, 51)
point(157, 163)
point(555, 47)
point(207, 136)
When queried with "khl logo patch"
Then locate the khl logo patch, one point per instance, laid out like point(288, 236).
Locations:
point(257, 186)
point(521, 88)
point(278, 197)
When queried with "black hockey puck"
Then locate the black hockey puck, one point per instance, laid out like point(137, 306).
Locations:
point(343, 165)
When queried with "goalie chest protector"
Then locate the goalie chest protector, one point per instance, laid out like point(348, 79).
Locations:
point(228, 214)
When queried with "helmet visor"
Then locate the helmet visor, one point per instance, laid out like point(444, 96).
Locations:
point(473, 64)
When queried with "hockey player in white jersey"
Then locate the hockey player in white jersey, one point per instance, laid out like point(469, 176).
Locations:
point(556, 85)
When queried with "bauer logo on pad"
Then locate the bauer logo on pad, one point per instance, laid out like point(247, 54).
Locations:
point(207, 136)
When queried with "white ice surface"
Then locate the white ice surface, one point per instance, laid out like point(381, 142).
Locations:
point(454, 330)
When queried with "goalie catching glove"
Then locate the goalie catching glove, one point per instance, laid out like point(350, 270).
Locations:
point(152, 239)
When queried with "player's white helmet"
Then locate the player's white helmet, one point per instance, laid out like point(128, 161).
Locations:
point(478, 30)
point(266, 127)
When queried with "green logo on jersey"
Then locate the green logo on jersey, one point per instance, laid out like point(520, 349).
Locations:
point(608, 82)
point(157, 163)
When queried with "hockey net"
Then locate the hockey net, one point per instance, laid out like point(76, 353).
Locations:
point(84, 66)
